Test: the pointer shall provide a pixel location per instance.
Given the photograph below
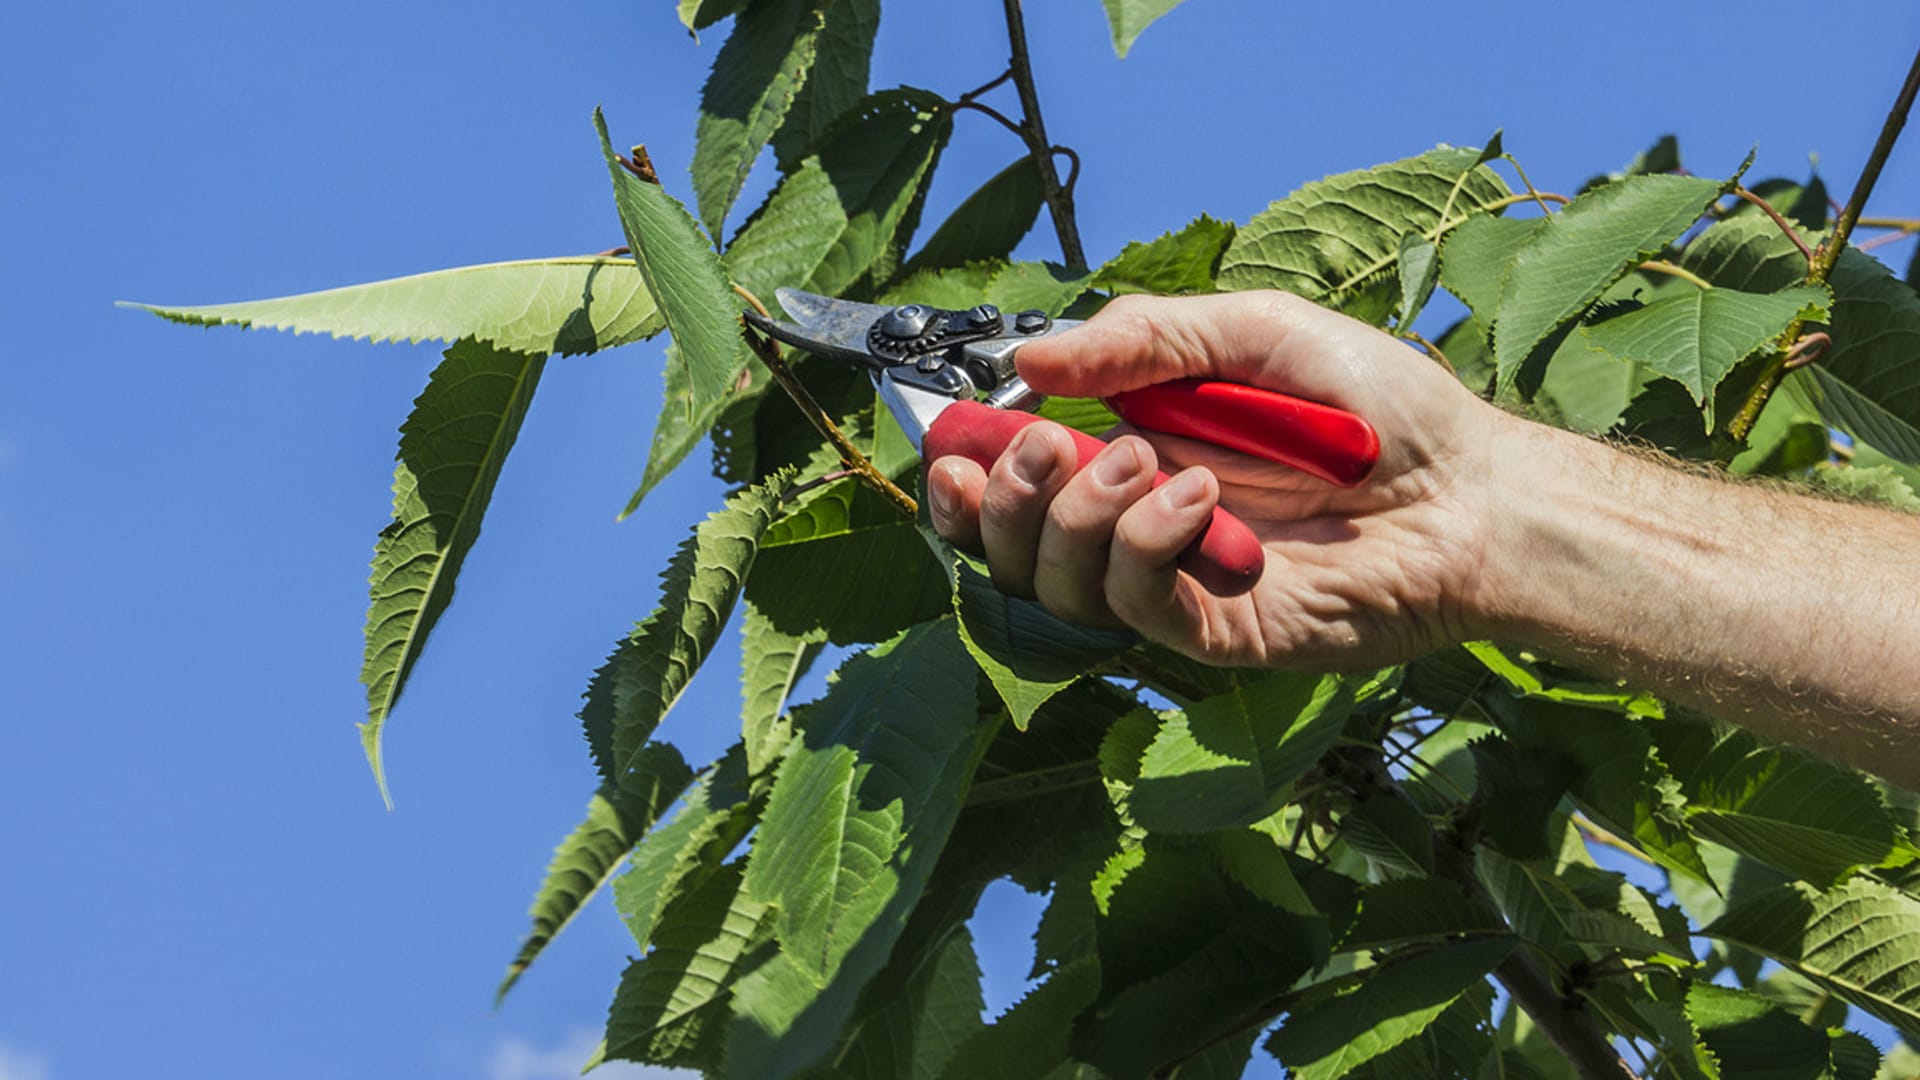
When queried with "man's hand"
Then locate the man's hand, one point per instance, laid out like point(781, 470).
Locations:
point(1354, 578)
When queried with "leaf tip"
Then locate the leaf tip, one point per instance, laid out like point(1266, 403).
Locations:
point(370, 741)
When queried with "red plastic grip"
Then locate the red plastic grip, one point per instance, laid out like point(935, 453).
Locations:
point(1226, 558)
point(1332, 444)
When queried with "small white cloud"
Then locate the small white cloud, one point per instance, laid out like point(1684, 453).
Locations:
point(17, 1064)
point(518, 1059)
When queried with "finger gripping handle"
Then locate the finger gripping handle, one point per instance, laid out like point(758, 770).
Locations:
point(1332, 444)
point(1225, 558)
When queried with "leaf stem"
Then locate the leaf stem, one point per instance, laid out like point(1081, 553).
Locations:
point(1785, 227)
point(1661, 266)
point(984, 87)
point(1829, 252)
point(1534, 193)
point(996, 114)
point(1430, 349)
point(1034, 131)
point(850, 455)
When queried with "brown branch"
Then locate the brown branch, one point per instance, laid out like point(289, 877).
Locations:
point(850, 455)
point(1829, 252)
point(984, 87)
point(1785, 227)
point(993, 112)
point(1432, 350)
point(1869, 174)
point(1034, 130)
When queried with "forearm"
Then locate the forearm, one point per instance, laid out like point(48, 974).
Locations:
point(1794, 616)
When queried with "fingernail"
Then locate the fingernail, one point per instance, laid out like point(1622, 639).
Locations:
point(940, 488)
point(1033, 459)
point(1185, 490)
point(1116, 465)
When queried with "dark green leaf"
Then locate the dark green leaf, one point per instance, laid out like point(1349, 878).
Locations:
point(1868, 382)
point(1415, 910)
point(616, 819)
point(770, 663)
point(1126, 18)
point(1804, 204)
point(1396, 1002)
point(700, 14)
point(677, 857)
point(1337, 240)
point(1177, 263)
point(1519, 790)
point(1663, 414)
point(920, 1027)
point(1231, 760)
point(988, 224)
point(843, 56)
point(860, 810)
point(1391, 832)
point(539, 306)
point(1029, 1040)
point(837, 225)
point(1751, 1037)
point(681, 426)
point(686, 281)
point(452, 448)
point(817, 568)
point(1662, 157)
point(759, 70)
point(1748, 253)
point(1026, 652)
point(1696, 337)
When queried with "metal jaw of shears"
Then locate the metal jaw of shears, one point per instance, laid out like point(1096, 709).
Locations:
point(922, 359)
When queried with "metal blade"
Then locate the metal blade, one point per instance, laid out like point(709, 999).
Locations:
point(805, 339)
point(842, 324)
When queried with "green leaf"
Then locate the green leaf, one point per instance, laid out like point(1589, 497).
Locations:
point(1569, 260)
point(686, 281)
point(1748, 253)
point(1337, 240)
point(680, 426)
point(989, 224)
point(1127, 18)
point(1417, 910)
point(540, 306)
point(1751, 1037)
point(1177, 263)
point(1663, 414)
point(1037, 286)
point(860, 810)
point(1231, 760)
point(671, 1006)
point(1867, 483)
point(616, 819)
point(1868, 382)
point(452, 448)
point(1799, 813)
point(653, 666)
point(1029, 1040)
point(1419, 273)
point(765, 61)
point(1804, 204)
point(678, 857)
point(770, 663)
point(1475, 257)
point(843, 58)
point(922, 1025)
point(1396, 1002)
point(1391, 832)
point(1861, 939)
point(817, 565)
point(1696, 337)
point(1520, 792)
point(700, 14)
point(838, 224)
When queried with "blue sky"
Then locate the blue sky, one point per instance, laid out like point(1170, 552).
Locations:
point(199, 879)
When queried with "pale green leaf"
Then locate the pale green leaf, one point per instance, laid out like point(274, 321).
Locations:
point(1127, 18)
point(672, 1004)
point(452, 448)
point(1177, 263)
point(681, 426)
point(1748, 253)
point(1474, 260)
point(685, 279)
point(1231, 760)
point(652, 667)
point(700, 14)
point(615, 821)
point(860, 810)
point(1569, 260)
point(1866, 483)
point(1861, 939)
point(1337, 240)
point(843, 57)
point(1419, 273)
point(765, 61)
point(838, 224)
point(1035, 286)
point(538, 306)
point(1697, 336)
point(1868, 382)
point(1396, 1002)
point(770, 663)
point(988, 225)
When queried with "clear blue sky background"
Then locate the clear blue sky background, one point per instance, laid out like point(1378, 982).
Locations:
point(197, 878)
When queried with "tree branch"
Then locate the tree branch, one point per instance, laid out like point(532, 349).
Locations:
point(1034, 131)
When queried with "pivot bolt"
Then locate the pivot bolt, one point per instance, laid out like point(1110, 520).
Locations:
point(906, 321)
point(1031, 322)
point(984, 315)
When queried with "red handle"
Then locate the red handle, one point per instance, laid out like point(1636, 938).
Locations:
point(1225, 558)
point(1320, 440)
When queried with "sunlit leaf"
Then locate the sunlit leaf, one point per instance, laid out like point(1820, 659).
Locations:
point(770, 663)
point(1177, 263)
point(1867, 483)
point(989, 224)
point(843, 56)
point(813, 560)
point(755, 77)
point(1697, 336)
point(538, 306)
point(452, 448)
point(1749, 1036)
point(1127, 18)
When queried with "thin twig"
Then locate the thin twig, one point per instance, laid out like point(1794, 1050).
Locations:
point(1882, 240)
point(1537, 196)
point(1829, 252)
point(989, 110)
point(1869, 175)
point(1034, 130)
point(1905, 225)
point(1597, 835)
point(1432, 350)
point(850, 455)
point(984, 87)
point(1661, 266)
point(615, 252)
point(1785, 227)
point(803, 487)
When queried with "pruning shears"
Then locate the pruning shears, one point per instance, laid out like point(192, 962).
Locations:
point(931, 366)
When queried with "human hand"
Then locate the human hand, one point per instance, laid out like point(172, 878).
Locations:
point(1355, 577)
